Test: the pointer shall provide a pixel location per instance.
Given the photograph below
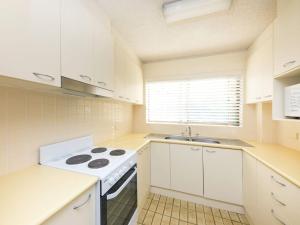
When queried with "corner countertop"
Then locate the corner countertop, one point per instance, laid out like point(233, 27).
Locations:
point(284, 161)
point(32, 195)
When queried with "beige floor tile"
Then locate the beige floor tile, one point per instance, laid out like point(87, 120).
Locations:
point(165, 220)
point(168, 210)
point(225, 214)
point(157, 219)
point(184, 204)
point(149, 218)
point(227, 222)
point(207, 210)
point(176, 202)
point(161, 207)
point(183, 223)
point(216, 212)
point(234, 216)
point(153, 205)
point(199, 208)
point(243, 219)
point(236, 223)
point(218, 219)
point(147, 204)
point(192, 217)
point(175, 211)
point(191, 206)
point(174, 221)
point(183, 214)
point(156, 197)
point(162, 210)
point(170, 200)
point(200, 218)
point(208, 218)
point(142, 216)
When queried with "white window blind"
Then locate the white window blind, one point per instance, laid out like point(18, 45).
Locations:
point(202, 101)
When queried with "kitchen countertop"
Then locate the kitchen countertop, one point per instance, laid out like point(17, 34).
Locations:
point(33, 195)
point(284, 161)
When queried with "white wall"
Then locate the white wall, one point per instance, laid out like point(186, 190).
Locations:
point(228, 64)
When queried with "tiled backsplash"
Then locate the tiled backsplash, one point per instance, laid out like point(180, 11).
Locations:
point(29, 119)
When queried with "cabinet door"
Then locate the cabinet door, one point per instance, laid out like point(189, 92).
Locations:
point(30, 40)
point(160, 165)
point(103, 51)
point(287, 36)
point(77, 40)
point(119, 71)
point(250, 186)
point(139, 86)
point(81, 211)
point(223, 174)
point(186, 169)
point(253, 79)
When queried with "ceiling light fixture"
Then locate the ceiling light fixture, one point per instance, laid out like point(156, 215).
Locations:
point(186, 9)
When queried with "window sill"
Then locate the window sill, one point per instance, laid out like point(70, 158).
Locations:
point(193, 124)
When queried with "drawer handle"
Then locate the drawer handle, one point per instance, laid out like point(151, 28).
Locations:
point(44, 77)
point(289, 63)
point(274, 197)
point(102, 83)
point(85, 77)
point(279, 220)
point(195, 149)
point(278, 182)
point(82, 204)
point(121, 96)
point(210, 151)
point(258, 98)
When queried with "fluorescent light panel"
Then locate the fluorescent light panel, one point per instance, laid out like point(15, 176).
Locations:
point(186, 9)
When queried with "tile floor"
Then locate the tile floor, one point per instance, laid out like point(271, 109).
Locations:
point(162, 210)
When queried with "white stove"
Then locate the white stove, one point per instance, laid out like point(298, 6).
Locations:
point(114, 167)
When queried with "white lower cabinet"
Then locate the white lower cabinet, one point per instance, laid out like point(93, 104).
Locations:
point(160, 165)
point(269, 198)
point(186, 169)
point(81, 211)
point(143, 166)
point(223, 174)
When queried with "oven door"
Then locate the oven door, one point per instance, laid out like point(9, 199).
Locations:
point(120, 202)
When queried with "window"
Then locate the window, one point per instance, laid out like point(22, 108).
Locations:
point(202, 101)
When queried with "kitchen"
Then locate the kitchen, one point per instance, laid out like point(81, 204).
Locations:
point(149, 112)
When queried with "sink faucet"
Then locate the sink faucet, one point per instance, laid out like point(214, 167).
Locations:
point(189, 130)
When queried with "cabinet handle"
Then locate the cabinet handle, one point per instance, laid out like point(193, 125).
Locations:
point(289, 63)
point(278, 182)
point(128, 99)
point(44, 77)
point(195, 149)
point(121, 96)
point(82, 204)
point(102, 83)
point(258, 98)
point(274, 197)
point(210, 151)
point(268, 96)
point(85, 77)
point(279, 220)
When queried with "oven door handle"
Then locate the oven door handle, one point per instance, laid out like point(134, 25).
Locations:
point(117, 192)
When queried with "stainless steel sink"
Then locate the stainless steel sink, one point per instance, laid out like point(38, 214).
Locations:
point(194, 139)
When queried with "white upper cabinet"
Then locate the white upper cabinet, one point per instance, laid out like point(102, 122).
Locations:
point(259, 79)
point(30, 40)
point(103, 51)
point(186, 169)
point(223, 176)
point(128, 75)
point(77, 40)
point(287, 36)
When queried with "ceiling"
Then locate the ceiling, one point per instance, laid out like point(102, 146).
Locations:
point(142, 25)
